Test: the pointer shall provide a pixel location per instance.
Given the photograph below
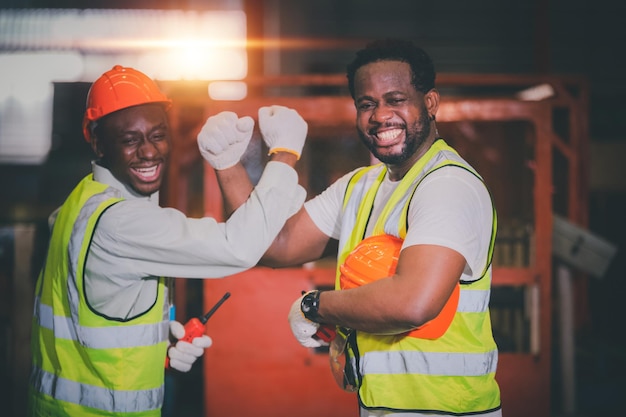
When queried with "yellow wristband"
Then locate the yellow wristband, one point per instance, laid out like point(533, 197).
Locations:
point(291, 151)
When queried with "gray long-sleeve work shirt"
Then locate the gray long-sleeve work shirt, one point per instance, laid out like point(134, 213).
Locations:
point(136, 241)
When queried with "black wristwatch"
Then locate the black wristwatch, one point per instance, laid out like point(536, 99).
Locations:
point(310, 305)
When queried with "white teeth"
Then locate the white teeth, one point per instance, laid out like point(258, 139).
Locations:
point(389, 135)
point(146, 171)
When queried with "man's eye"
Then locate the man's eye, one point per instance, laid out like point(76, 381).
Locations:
point(366, 106)
point(129, 140)
point(396, 101)
point(159, 136)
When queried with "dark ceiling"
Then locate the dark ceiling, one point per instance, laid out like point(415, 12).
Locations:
point(580, 37)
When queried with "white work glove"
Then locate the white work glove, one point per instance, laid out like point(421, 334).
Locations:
point(183, 354)
point(283, 129)
point(224, 138)
point(302, 328)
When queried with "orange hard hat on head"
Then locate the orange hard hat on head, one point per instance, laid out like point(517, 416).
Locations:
point(376, 257)
point(117, 89)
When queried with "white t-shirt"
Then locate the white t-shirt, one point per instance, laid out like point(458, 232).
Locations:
point(451, 207)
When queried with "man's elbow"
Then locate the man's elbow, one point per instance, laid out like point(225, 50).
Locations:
point(418, 314)
point(274, 259)
point(277, 255)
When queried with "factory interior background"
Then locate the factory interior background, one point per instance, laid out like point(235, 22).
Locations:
point(473, 45)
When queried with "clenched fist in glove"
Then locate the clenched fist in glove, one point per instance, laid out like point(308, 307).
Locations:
point(183, 354)
point(283, 129)
point(302, 328)
point(224, 138)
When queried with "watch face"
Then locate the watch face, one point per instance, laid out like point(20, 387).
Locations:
point(309, 306)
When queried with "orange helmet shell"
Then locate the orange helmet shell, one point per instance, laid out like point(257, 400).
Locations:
point(373, 258)
point(117, 89)
point(376, 257)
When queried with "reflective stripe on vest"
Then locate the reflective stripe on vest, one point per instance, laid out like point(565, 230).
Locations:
point(83, 360)
point(96, 397)
point(101, 337)
point(450, 375)
point(473, 301)
point(429, 363)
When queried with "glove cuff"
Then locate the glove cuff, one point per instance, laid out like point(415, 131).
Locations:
point(291, 151)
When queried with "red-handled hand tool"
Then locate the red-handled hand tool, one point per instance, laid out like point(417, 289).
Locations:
point(195, 326)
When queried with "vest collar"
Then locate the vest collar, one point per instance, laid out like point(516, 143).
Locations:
point(103, 175)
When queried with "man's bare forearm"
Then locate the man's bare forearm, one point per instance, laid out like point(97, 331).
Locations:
point(235, 183)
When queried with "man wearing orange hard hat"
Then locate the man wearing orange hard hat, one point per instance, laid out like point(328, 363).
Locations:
point(102, 323)
point(415, 235)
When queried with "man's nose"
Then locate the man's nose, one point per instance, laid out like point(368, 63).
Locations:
point(147, 149)
point(381, 114)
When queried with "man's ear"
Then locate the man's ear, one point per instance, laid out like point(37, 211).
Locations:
point(431, 101)
point(95, 145)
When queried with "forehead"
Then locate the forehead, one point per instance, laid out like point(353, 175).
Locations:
point(151, 113)
point(382, 76)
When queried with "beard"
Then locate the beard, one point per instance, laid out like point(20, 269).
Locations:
point(416, 135)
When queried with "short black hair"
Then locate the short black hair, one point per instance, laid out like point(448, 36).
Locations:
point(421, 64)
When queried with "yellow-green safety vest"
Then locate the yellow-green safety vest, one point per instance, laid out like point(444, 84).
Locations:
point(83, 363)
point(454, 374)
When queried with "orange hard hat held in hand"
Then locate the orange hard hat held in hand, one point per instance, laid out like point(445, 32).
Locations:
point(376, 257)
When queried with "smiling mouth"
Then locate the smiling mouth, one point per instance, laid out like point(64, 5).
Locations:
point(148, 174)
point(388, 137)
